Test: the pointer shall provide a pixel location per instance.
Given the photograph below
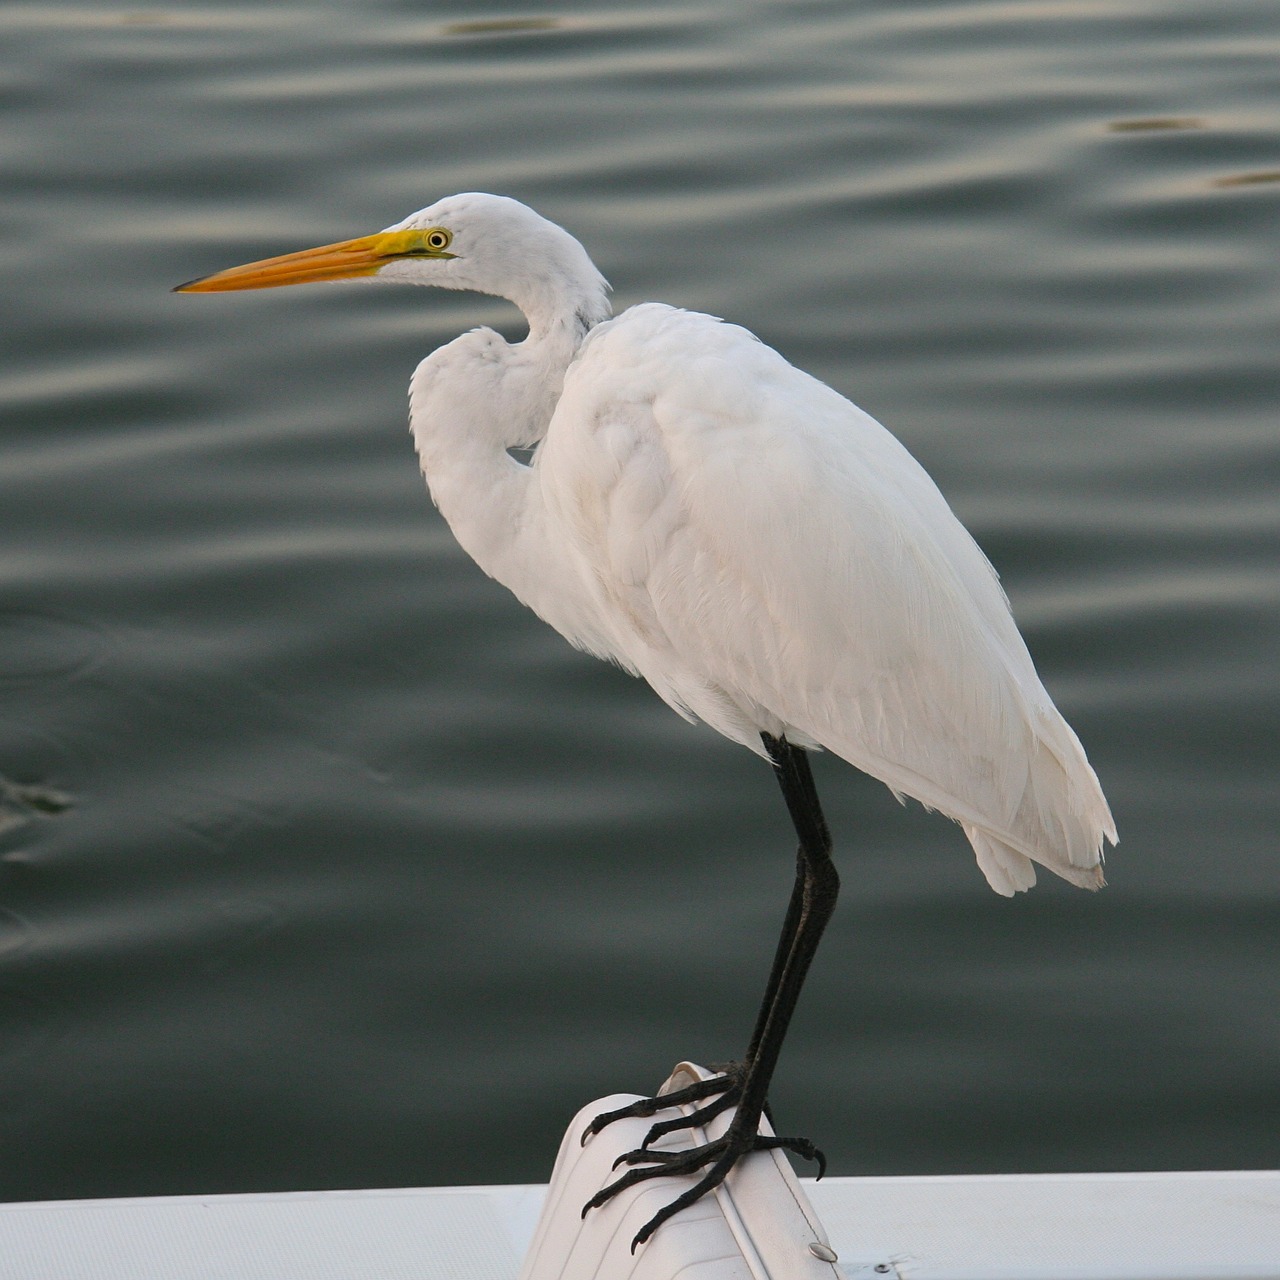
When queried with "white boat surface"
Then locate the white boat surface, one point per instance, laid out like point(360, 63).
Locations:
point(764, 1224)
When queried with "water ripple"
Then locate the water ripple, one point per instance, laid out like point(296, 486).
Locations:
point(331, 783)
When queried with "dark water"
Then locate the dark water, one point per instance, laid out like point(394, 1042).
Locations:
point(324, 864)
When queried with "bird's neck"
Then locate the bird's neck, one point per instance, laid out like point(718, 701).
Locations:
point(563, 322)
point(471, 402)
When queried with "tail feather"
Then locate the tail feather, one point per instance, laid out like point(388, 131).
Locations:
point(1061, 822)
point(1008, 871)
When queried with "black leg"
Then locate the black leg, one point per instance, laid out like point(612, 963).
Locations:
point(796, 779)
point(746, 1084)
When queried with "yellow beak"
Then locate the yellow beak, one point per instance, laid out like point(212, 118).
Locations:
point(347, 260)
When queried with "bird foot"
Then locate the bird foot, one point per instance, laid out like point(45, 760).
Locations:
point(717, 1158)
point(727, 1083)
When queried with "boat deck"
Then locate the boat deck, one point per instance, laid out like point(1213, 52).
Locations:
point(1148, 1226)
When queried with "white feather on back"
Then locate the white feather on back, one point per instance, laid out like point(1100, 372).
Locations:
point(771, 559)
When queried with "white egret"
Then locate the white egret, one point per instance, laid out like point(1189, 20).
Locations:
point(765, 554)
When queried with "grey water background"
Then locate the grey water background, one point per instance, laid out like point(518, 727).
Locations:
point(323, 863)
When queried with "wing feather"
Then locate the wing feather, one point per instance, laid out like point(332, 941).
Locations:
point(770, 558)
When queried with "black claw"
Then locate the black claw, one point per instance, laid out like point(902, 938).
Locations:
point(641, 1156)
point(639, 1160)
point(801, 1147)
point(721, 1155)
point(646, 1107)
point(633, 1176)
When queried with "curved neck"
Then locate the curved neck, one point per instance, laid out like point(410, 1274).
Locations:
point(469, 403)
point(557, 315)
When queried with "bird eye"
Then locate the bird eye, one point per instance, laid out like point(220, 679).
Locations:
point(437, 239)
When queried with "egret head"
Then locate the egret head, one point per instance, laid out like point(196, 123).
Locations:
point(483, 243)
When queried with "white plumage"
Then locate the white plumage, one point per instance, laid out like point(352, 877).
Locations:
point(764, 553)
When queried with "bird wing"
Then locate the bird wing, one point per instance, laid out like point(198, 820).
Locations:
point(771, 559)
